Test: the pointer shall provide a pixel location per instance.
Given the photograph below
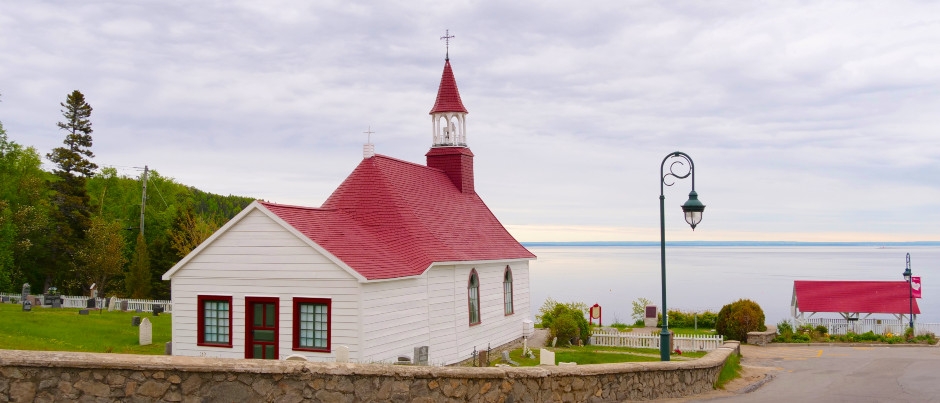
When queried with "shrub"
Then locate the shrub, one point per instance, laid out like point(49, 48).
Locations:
point(739, 317)
point(566, 321)
point(704, 319)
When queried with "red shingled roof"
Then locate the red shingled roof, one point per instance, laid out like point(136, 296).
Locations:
point(448, 98)
point(392, 218)
point(854, 296)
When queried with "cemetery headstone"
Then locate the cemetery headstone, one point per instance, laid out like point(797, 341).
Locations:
point(146, 332)
point(508, 360)
point(135, 321)
point(483, 359)
point(403, 360)
point(123, 306)
point(168, 349)
point(25, 292)
point(342, 354)
point(546, 357)
point(554, 340)
point(90, 304)
point(27, 306)
point(112, 304)
point(421, 355)
point(57, 302)
point(157, 310)
point(83, 312)
point(138, 310)
point(296, 357)
point(4, 299)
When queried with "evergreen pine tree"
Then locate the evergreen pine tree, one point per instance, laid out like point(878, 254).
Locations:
point(137, 282)
point(71, 216)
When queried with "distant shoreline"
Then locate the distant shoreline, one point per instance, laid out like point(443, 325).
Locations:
point(731, 243)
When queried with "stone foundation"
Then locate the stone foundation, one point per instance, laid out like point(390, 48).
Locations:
point(27, 376)
point(761, 338)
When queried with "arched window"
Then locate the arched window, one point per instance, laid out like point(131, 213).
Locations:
point(507, 291)
point(473, 297)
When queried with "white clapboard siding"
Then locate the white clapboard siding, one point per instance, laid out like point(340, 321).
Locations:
point(257, 257)
point(394, 318)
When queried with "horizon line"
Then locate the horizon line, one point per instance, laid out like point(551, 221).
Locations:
point(731, 243)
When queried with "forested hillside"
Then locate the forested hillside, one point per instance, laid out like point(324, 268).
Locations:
point(81, 225)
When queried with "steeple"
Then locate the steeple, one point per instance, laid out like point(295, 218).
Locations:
point(448, 116)
point(449, 151)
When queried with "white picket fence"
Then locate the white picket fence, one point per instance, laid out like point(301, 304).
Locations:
point(877, 326)
point(611, 337)
point(69, 301)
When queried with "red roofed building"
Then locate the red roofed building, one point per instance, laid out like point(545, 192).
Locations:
point(401, 255)
point(852, 298)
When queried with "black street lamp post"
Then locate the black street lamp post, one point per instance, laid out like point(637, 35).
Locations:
point(692, 209)
point(910, 290)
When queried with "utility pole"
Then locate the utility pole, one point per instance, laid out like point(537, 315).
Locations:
point(143, 200)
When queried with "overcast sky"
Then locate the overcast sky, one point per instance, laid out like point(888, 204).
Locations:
point(807, 121)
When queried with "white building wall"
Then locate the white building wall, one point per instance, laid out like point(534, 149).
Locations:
point(257, 257)
point(432, 310)
point(495, 327)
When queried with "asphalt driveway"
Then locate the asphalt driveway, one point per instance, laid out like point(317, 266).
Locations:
point(838, 374)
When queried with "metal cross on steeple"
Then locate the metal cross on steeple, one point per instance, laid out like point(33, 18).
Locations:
point(369, 134)
point(447, 36)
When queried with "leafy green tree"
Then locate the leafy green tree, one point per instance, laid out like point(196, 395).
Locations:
point(23, 212)
point(102, 257)
point(639, 309)
point(137, 281)
point(566, 321)
point(71, 210)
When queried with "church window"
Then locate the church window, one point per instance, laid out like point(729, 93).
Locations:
point(507, 291)
point(214, 321)
point(473, 297)
point(312, 324)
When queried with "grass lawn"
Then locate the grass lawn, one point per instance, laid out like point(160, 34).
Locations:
point(63, 329)
point(597, 355)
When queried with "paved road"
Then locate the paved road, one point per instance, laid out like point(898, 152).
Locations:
point(843, 374)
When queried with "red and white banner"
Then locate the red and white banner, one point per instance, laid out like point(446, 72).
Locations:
point(915, 287)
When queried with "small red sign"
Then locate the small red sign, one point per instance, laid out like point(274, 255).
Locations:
point(915, 287)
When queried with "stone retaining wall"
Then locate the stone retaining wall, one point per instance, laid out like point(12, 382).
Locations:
point(761, 338)
point(27, 376)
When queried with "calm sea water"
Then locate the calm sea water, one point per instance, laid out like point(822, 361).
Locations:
point(708, 277)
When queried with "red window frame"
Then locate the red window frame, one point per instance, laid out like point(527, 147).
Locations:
point(329, 323)
point(201, 319)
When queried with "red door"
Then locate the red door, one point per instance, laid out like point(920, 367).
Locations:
point(261, 327)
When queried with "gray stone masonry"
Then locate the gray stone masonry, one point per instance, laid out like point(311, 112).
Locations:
point(27, 376)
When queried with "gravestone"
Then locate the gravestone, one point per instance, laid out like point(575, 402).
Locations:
point(157, 310)
point(90, 304)
point(554, 341)
point(146, 332)
point(123, 306)
point(112, 304)
point(546, 357)
point(135, 321)
point(403, 360)
point(57, 302)
point(168, 349)
point(106, 302)
point(342, 354)
point(483, 359)
point(83, 312)
point(296, 357)
point(508, 360)
point(138, 310)
point(4, 299)
point(27, 306)
point(421, 355)
point(25, 292)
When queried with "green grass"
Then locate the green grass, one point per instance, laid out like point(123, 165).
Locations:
point(63, 329)
point(731, 370)
point(598, 355)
